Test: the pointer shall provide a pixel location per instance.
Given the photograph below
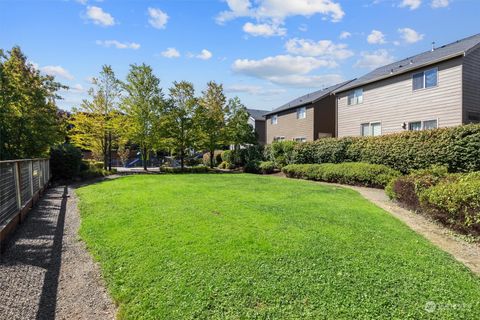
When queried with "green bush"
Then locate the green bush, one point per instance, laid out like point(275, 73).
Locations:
point(352, 173)
point(252, 153)
point(197, 169)
point(226, 165)
point(252, 167)
point(281, 153)
point(65, 161)
point(455, 201)
point(227, 156)
point(266, 167)
point(217, 159)
point(457, 148)
point(95, 172)
point(406, 189)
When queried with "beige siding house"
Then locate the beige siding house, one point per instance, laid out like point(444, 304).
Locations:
point(257, 121)
point(307, 118)
point(438, 88)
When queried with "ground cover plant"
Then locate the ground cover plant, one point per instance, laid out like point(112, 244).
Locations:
point(250, 246)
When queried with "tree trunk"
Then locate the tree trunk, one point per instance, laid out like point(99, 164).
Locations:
point(182, 157)
point(212, 154)
point(144, 156)
point(110, 151)
point(105, 152)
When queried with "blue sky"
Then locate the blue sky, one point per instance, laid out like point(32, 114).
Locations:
point(267, 52)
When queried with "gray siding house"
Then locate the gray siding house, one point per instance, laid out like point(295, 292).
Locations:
point(306, 118)
point(257, 121)
point(437, 88)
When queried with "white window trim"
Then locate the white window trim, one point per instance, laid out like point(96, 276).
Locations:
point(304, 114)
point(279, 138)
point(275, 116)
point(370, 128)
point(357, 103)
point(425, 80)
point(300, 139)
point(422, 123)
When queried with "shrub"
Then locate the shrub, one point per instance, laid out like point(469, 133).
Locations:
point(281, 153)
point(455, 201)
point(226, 165)
point(364, 174)
point(406, 189)
point(217, 159)
point(251, 167)
point(227, 156)
point(456, 148)
point(95, 172)
point(252, 153)
point(266, 167)
point(197, 169)
point(65, 161)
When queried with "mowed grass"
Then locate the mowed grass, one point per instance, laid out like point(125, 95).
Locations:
point(257, 247)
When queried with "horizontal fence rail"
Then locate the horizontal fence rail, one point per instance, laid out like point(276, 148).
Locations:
point(20, 184)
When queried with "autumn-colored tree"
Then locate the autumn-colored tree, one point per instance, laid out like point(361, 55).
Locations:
point(96, 124)
point(29, 125)
point(179, 120)
point(143, 105)
point(211, 118)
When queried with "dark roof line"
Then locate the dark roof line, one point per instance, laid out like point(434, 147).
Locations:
point(308, 98)
point(257, 114)
point(443, 53)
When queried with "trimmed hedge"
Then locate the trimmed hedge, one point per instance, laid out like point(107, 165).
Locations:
point(281, 153)
point(267, 167)
point(457, 148)
point(360, 174)
point(65, 161)
point(197, 169)
point(453, 199)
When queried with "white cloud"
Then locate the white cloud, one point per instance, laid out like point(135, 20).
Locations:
point(100, 17)
point(303, 27)
point(372, 60)
point(439, 4)
point(158, 18)
point(77, 88)
point(412, 4)
point(254, 90)
point(376, 37)
point(171, 53)
point(57, 71)
point(204, 55)
point(278, 10)
point(345, 35)
point(84, 2)
point(118, 44)
point(264, 30)
point(410, 35)
point(322, 48)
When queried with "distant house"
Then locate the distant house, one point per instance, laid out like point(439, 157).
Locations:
point(257, 120)
point(307, 118)
point(437, 88)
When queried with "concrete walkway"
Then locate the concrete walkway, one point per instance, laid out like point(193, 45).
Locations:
point(46, 272)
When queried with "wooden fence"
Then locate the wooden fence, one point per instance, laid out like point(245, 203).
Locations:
point(21, 184)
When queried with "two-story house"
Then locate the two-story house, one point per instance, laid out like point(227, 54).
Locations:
point(437, 88)
point(257, 121)
point(307, 118)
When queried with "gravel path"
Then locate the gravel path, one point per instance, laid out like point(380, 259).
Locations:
point(46, 272)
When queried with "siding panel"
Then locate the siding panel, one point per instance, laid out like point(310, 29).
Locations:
point(471, 83)
point(290, 127)
point(393, 102)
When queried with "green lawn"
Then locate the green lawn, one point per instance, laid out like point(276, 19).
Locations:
point(247, 246)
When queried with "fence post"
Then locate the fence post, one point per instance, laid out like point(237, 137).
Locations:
point(30, 171)
point(16, 172)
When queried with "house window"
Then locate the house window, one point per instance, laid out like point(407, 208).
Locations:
point(302, 139)
point(425, 79)
point(301, 113)
point(274, 119)
point(415, 126)
point(355, 97)
point(422, 125)
point(430, 124)
point(281, 138)
point(371, 129)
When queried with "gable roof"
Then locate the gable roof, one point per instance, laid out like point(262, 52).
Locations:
point(308, 98)
point(446, 52)
point(256, 114)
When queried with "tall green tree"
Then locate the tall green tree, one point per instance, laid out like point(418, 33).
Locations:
point(144, 106)
point(212, 115)
point(29, 124)
point(240, 132)
point(179, 120)
point(96, 124)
